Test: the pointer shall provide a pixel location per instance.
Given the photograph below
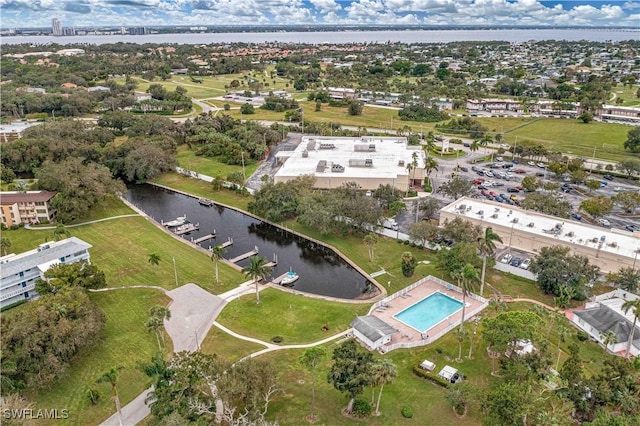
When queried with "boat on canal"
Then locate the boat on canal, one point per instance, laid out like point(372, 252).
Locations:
point(179, 221)
point(290, 278)
point(205, 202)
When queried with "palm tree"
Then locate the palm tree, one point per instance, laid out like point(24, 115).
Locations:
point(5, 243)
point(470, 277)
point(154, 259)
point(311, 358)
point(634, 307)
point(155, 323)
point(460, 336)
point(216, 255)
point(430, 164)
point(370, 241)
point(257, 270)
point(608, 338)
point(384, 371)
point(487, 246)
point(111, 377)
point(474, 146)
point(60, 232)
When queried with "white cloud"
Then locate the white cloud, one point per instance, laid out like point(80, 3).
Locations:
point(326, 6)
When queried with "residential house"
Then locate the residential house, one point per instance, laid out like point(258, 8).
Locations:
point(25, 207)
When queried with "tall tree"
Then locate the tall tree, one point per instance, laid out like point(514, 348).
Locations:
point(456, 187)
point(370, 240)
point(257, 270)
point(626, 278)
point(633, 140)
point(351, 370)
point(469, 279)
point(217, 254)
point(111, 377)
point(60, 232)
point(5, 243)
point(155, 322)
point(634, 307)
point(383, 371)
point(311, 358)
point(487, 246)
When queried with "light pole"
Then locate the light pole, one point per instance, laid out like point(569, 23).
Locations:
point(243, 175)
point(175, 271)
point(511, 237)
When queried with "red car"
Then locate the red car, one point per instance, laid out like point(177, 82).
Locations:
point(478, 181)
point(493, 194)
point(484, 193)
point(520, 171)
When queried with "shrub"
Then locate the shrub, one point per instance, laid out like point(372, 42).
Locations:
point(431, 377)
point(361, 408)
point(406, 412)
point(397, 241)
point(406, 242)
point(277, 339)
point(582, 336)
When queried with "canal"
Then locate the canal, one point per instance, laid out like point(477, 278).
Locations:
point(321, 270)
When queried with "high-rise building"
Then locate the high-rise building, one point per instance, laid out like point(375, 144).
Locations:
point(56, 27)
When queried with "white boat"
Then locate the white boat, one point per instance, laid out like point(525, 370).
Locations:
point(180, 220)
point(290, 278)
point(206, 202)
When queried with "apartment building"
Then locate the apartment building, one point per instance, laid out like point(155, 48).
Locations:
point(25, 207)
point(19, 272)
point(619, 114)
point(494, 105)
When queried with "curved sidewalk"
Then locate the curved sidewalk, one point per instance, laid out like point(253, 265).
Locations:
point(40, 228)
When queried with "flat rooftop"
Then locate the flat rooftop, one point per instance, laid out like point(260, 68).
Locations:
point(18, 126)
point(389, 157)
point(619, 242)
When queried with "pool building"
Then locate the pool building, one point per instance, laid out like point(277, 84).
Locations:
point(416, 315)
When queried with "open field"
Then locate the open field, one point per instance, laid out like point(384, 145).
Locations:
point(297, 319)
point(209, 166)
point(126, 342)
point(572, 136)
point(628, 94)
point(203, 189)
point(226, 346)
point(121, 248)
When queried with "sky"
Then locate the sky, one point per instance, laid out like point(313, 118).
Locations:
point(38, 13)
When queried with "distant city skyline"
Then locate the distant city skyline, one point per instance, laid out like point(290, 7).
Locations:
point(89, 13)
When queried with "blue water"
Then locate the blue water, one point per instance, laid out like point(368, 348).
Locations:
point(428, 312)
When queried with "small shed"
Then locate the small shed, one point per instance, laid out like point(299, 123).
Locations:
point(448, 372)
point(427, 365)
point(372, 331)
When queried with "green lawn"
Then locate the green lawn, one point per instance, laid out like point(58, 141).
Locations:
point(121, 248)
point(627, 94)
point(226, 346)
point(297, 319)
point(572, 136)
point(125, 342)
point(210, 166)
point(110, 206)
point(203, 189)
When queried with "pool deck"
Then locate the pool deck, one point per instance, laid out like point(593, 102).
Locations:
point(408, 336)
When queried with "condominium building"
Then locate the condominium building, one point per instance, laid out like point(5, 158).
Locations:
point(56, 27)
point(19, 272)
point(25, 207)
point(619, 114)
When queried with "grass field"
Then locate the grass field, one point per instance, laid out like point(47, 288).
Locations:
point(209, 166)
point(297, 319)
point(627, 94)
point(572, 136)
point(126, 342)
point(226, 346)
point(121, 248)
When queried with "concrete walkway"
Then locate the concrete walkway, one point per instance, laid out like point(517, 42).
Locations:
point(39, 228)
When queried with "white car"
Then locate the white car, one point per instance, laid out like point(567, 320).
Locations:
point(531, 163)
point(617, 188)
point(488, 173)
point(541, 165)
point(525, 264)
point(604, 222)
point(506, 258)
point(499, 159)
point(504, 146)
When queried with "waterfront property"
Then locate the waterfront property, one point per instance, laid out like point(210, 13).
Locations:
point(20, 271)
point(610, 249)
point(25, 207)
point(416, 315)
point(368, 161)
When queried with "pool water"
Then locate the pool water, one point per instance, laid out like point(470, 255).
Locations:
point(428, 312)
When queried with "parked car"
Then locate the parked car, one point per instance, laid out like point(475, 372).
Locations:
point(632, 228)
point(520, 171)
point(493, 194)
point(499, 159)
point(576, 216)
point(531, 163)
point(484, 192)
point(474, 168)
point(541, 165)
point(608, 177)
point(504, 196)
point(464, 169)
point(603, 183)
point(514, 161)
point(516, 262)
point(506, 258)
point(525, 263)
point(617, 188)
point(478, 181)
point(466, 145)
point(513, 190)
point(488, 173)
point(540, 174)
point(498, 184)
point(604, 222)
point(513, 198)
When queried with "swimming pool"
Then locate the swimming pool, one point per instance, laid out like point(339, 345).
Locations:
point(429, 311)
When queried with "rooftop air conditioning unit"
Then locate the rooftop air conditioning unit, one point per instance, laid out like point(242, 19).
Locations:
point(305, 154)
point(401, 163)
point(494, 216)
point(480, 212)
point(531, 225)
point(514, 220)
point(462, 207)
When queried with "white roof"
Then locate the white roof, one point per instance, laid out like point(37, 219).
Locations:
point(389, 151)
point(578, 233)
point(447, 372)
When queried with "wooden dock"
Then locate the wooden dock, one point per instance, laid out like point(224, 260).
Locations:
point(227, 243)
point(278, 280)
point(190, 228)
point(244, 256)
point(205, 238)
point(274, 262)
